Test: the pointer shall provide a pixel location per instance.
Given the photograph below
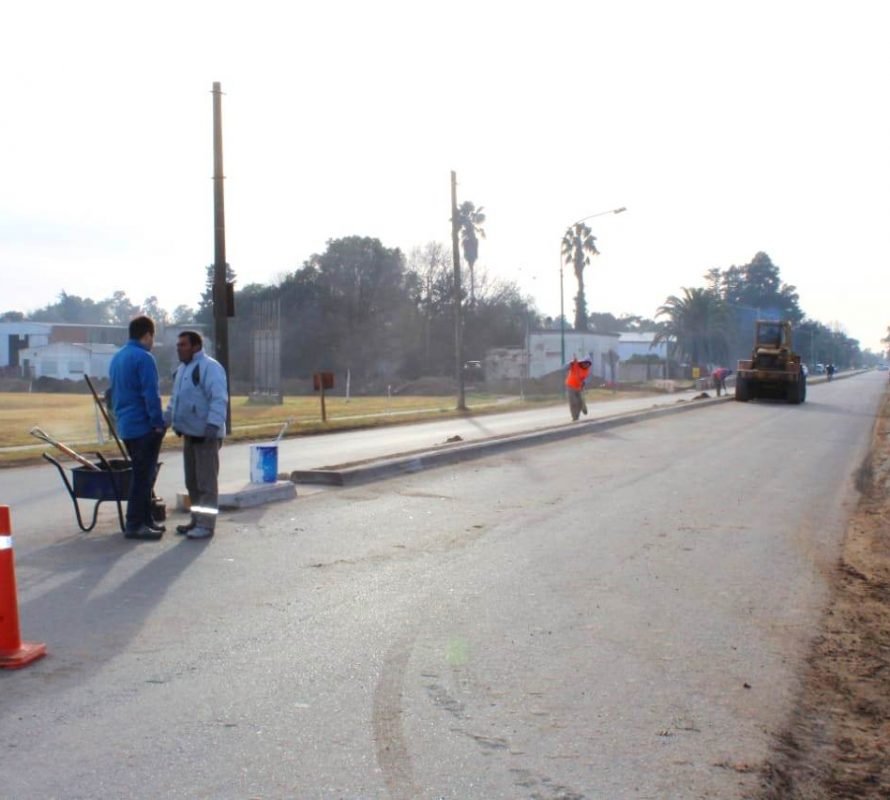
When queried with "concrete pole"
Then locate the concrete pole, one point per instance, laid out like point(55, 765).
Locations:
point(458, 322)
point(220, 289)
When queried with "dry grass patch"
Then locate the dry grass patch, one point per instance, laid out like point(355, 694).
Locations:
point(72, 418)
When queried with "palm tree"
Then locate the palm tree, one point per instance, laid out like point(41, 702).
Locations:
point(697, 322)
point(470, 219)
point(578, 245)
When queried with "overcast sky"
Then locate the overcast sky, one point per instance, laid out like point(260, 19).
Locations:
point(726, 128)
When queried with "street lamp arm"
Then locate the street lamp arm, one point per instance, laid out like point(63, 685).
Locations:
point(601, 214)
point(562, 312)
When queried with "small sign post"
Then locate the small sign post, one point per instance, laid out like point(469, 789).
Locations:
point(320, 382)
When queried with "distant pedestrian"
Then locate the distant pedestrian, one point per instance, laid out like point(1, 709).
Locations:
point(830, 370)
point(136, 401)
point(719, 377)
point(197, 411)
point(576, 379)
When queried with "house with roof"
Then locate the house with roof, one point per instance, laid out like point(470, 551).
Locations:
point(67, 350)
point(19, 341)
point(67, 360)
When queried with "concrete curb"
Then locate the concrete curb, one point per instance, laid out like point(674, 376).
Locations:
point(407, 463)
point(248, 495)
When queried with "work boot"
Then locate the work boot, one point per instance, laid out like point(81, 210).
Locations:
point(200, 532)
point(145, 533)
point(182, 530)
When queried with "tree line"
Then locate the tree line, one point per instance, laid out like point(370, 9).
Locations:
point(385, 317)
point(362, 306)
point(117, 309)
point(714, 323)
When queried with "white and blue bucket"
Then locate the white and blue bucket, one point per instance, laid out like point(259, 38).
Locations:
point(263, 463)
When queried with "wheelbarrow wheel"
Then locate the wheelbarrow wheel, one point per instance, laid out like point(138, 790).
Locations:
point(158, 509)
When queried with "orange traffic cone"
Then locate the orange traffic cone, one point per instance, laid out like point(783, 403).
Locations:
point(14, 653)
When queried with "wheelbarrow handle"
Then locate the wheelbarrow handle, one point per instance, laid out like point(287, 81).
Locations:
point(41, 434)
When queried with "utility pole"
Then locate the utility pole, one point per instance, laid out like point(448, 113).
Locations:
point(455, 253)
point(222, 309)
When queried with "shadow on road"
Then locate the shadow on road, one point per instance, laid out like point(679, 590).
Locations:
point(100, 593)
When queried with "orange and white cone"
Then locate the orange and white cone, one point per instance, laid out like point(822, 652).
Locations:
point(14, 653)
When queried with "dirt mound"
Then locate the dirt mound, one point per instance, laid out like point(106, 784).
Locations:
point(838, 742)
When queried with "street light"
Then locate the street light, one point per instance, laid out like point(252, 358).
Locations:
point(562, 315)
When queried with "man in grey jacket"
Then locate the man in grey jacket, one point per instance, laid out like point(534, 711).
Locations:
point(197, 412)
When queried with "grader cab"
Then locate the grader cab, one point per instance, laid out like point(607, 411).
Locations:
point(774, 369)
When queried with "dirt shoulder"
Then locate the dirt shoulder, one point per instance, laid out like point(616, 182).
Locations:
point(837, 744)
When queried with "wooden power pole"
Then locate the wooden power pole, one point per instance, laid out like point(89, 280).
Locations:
point(458, 322)
point(221, 299)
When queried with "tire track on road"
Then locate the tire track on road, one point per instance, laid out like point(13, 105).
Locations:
point(393, 756)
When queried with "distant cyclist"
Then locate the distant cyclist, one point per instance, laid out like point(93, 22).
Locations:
point(829, 371)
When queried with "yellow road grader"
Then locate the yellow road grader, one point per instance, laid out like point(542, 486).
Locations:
point(774, 369)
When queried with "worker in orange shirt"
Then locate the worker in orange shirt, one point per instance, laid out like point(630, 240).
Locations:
point(719, 376)
point(575, 380)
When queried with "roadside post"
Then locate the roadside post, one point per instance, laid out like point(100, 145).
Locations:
point(320, 382)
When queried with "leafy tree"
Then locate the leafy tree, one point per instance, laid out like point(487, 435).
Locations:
point(152, 308)
point(604, 322)
point(578, 245)
point(697, 322)
point(758, 285)
point(364, 282)
point(12, 316)
point(182, 315)
point(73, 309)
point(430, 282)
point(470, 221)
point(842, 351)
point(121, 309)
point(500, 318)
point(886, 341)
point(204, 314)
point(750, 292)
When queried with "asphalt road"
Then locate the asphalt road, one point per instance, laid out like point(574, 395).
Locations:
point(620, 615)
point(42, 510)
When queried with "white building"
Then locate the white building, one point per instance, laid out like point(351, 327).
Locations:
point(545, 351)
point(67, 360)
point(21, 344)
point(19, 338)
point(629, 356)
point(636, 343)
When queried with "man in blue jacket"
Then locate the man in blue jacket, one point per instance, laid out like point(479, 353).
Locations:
point(197, 411)
point(136, 400)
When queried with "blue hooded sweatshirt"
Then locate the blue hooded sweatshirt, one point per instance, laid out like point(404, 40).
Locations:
point(135, 395)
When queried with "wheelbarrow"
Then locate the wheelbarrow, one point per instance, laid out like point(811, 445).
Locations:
point(110, 482)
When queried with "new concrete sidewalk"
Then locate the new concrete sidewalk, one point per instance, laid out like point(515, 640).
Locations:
point(482, 436)
point(538, 430)
point(349, 474)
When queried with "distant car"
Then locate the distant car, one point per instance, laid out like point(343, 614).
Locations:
point(883, 367)
point(819, 369)
point(473, 371)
